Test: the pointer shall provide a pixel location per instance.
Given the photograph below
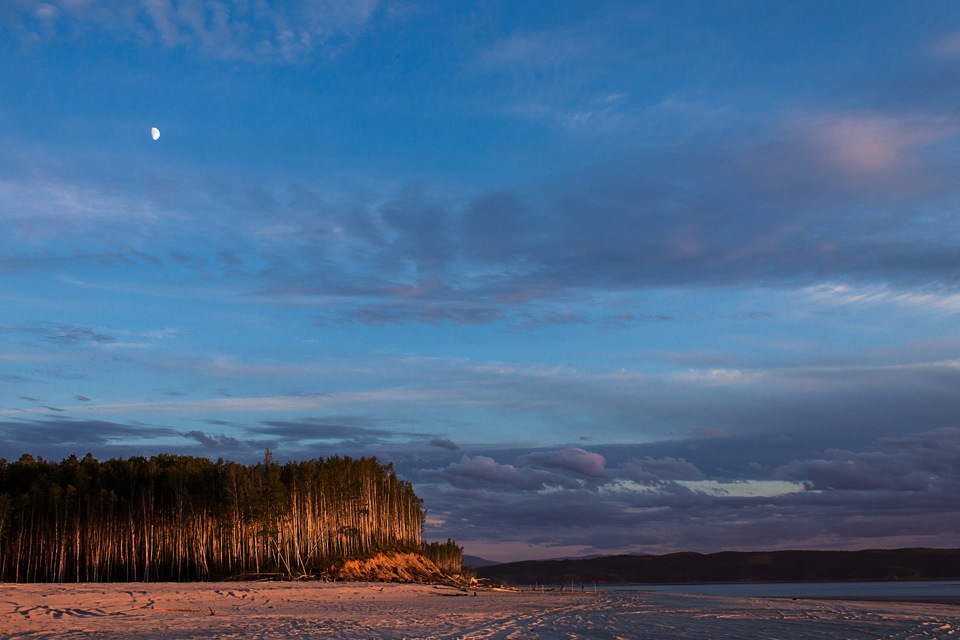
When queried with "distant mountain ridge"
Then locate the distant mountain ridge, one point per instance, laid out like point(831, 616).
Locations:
point(735, 566)
point(476, 561)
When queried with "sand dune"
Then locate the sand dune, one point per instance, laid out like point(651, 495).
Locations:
point(366, 610)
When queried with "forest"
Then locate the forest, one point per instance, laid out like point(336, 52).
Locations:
point(177, 518)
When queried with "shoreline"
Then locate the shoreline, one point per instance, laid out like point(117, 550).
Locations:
point(944, 600)
point(151, 611)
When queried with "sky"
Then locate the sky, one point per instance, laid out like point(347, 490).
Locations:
point(596, 277)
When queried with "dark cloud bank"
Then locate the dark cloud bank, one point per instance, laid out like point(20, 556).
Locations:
point(700, 493)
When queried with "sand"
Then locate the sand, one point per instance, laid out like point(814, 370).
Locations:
point(369, 610)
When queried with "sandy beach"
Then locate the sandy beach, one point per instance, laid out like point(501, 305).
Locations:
point(366, 610)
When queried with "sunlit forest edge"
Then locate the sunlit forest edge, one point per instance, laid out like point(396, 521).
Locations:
point(183, 518)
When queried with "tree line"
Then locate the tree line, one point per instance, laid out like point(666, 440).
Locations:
point(174, 517)
point(448, 556)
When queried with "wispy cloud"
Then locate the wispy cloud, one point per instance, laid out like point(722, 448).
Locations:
point(720, 377)
point(860, 197)
point(947, 46)
point(535, 50)
point(864, 143)
point(261, 405)
point(840, 295)
point(228, 29)
point(73, 336)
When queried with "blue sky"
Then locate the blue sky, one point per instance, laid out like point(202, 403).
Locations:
point(595, 276)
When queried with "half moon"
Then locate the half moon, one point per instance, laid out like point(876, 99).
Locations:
point(155, 133)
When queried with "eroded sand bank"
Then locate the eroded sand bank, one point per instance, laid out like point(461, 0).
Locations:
point(324, 610)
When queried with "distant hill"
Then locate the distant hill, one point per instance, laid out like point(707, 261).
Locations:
point(735, 566)
point(477, 562)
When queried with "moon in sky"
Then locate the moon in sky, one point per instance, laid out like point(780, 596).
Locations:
point(155, 133)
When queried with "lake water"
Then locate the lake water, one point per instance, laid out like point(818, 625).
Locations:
point(910, 590)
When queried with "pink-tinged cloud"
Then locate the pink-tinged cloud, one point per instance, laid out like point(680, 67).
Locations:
point(947, 47)
point(485, 472)
point(865, 143)
point(573, 460)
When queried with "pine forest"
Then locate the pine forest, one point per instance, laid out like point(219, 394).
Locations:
point(175, 518)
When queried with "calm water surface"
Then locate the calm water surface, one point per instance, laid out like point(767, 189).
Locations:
point(906, 589)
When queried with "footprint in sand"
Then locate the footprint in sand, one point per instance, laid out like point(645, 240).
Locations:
point(59, 613)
